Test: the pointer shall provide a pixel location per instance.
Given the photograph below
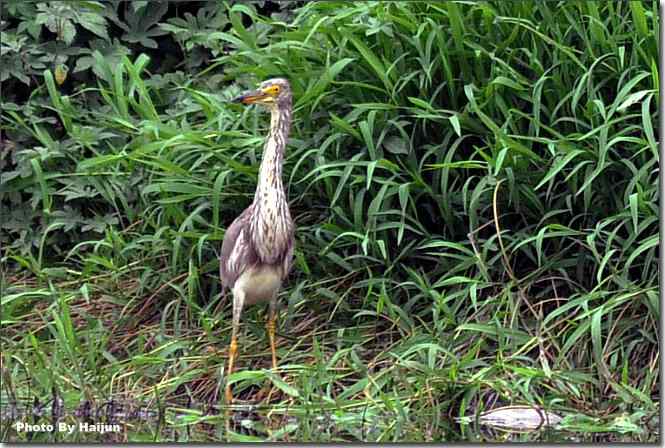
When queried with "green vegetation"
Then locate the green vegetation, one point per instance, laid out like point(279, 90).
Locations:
point(475, 188)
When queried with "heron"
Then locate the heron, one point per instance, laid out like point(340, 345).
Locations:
point(257, 251)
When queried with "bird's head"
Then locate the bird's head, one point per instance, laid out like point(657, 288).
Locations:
point(273, 93)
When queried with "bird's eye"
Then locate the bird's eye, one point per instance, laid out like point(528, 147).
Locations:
point(272, 90)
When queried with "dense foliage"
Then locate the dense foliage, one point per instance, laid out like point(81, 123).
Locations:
point(475, 188)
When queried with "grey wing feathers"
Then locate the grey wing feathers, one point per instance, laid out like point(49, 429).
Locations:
point(287, 262)
point(237, 252)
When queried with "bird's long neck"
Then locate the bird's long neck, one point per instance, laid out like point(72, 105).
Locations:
point(271, 224)
point(270, 173)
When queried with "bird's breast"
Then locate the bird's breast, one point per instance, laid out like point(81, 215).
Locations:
point(259, 283)
point(272, 227)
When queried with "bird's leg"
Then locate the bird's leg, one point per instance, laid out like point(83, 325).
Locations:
point(238, 301)
point(272, 317)
point(270, 326)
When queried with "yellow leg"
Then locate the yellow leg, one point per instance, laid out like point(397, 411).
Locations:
point(233, 351)
point(271, 335)
point(272, 317)
point(270, 326)
point(238, 301)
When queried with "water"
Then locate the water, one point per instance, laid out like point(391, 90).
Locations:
point(115, 421)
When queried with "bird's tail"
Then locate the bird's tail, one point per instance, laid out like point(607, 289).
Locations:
point(218, 254)
point(224, 290)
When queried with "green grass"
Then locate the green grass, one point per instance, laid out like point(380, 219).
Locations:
point(475, 188)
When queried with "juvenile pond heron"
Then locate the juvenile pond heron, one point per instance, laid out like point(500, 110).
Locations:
point(257, 251)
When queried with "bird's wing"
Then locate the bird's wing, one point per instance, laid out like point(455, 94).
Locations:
point(287, 262)
point(237, 252)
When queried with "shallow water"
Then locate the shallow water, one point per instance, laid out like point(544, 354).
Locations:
point(115, 421)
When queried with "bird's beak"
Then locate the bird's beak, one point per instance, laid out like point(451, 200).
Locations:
point(251, 97)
